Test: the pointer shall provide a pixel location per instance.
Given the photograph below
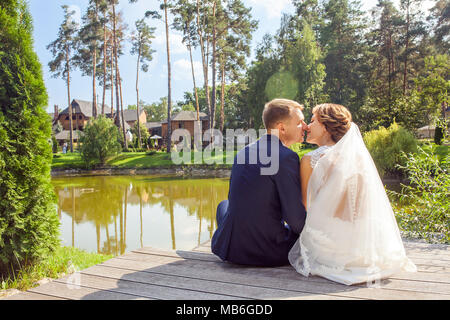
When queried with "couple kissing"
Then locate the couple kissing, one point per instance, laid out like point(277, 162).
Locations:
point(326, 214)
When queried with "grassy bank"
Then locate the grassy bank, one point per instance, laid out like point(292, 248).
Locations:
point(139, 160)
point(64, 260)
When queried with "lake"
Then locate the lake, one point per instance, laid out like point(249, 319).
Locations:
point(117, 214)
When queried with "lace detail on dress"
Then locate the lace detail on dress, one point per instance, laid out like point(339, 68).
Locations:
point(316, 154)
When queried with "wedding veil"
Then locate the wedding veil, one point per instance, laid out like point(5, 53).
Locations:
point(350, 235)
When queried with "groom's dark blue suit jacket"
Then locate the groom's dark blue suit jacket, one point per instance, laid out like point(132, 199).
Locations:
point(252, 226)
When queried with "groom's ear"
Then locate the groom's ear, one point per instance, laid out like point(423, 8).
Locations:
point(280, 127)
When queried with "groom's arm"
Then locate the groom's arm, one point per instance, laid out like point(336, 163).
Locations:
point(287, 181)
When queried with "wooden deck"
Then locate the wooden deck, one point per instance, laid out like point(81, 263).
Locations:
point(151, 274)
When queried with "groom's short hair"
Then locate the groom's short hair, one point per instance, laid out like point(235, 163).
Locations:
point(278, 110)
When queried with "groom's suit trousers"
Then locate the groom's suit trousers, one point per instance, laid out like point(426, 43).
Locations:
point(264, 214)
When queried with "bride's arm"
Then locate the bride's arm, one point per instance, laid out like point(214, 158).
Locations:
point(305, 173)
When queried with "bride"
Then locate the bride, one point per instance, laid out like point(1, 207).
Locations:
point(350, 235)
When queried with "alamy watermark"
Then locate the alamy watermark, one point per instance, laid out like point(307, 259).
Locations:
point(211, 147)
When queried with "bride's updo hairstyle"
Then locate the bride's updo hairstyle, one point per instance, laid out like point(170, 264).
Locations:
point(336, 119)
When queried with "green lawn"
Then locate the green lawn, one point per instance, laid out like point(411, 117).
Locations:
point(141, 160)
point(64, 260)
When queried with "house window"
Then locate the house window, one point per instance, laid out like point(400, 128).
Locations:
point(180, 125)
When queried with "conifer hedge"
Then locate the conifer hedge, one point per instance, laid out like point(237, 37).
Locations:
point(29, 226)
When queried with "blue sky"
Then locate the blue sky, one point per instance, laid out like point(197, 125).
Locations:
point(48, 15)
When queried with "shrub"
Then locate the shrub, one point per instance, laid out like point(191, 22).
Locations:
point(54, 144)
point(438, 135)
point(29, 226)
point(424, 207)
point(99, 142)
point(144, 136)
point(386, 147)
point(296, 147)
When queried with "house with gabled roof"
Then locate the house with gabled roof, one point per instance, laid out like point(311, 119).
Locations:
point(81, 113)
point(185, 120)
point(130, 116)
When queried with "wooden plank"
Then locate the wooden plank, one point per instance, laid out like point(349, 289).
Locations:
point(423, 276)
point(262, 277)
point(210, 257)
point(62, 290)
point(413, 283)
point(138, 289)
point(426, 246)
point(231, 289)
point(436, 256)
point(202, 249)
point(432, 269)
point(411, 247)
point(431, 262)
point(195, 255)
point(32, 296)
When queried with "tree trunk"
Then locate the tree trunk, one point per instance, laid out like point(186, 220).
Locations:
point(204, 62)
point(112, 76)
point(222, 99)
point(213, 98)
point(137, 98)
point(104, 68)
point(208, 97)
point(94, 71)
point(405, 70)
point(121, 112)
point(94, 92)
point(193, 75)
point(169, 98)
point(68, 98)
point(117, 118)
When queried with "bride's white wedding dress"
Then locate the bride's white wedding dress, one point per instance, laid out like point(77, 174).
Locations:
point(350, 235)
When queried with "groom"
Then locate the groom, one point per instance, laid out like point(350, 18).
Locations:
point(264, 214)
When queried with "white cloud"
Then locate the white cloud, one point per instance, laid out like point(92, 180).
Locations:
point(182, 70)
point(77, 15)
point(175, 42)
point(273, 8)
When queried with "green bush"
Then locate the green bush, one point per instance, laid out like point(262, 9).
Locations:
point(386, 147)
point(438, 135)
point(296, 147)
point(424, 207)
point(29, 226)
point(99, 142)
point(54, 144)
point(144, 136)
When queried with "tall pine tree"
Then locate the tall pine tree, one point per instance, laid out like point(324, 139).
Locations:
point(28, 219)
point(62, 62)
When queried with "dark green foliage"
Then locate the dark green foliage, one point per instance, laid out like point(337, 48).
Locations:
point(424, 207)
point(28, 219)
point(144, 136)
point(438, 135)
point(386, 147)
point(100, 141)
point(54, 144)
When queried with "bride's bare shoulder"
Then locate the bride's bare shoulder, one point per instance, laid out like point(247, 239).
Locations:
point(305, 163)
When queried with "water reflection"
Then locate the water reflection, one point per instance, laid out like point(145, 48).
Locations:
point(122, 213)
